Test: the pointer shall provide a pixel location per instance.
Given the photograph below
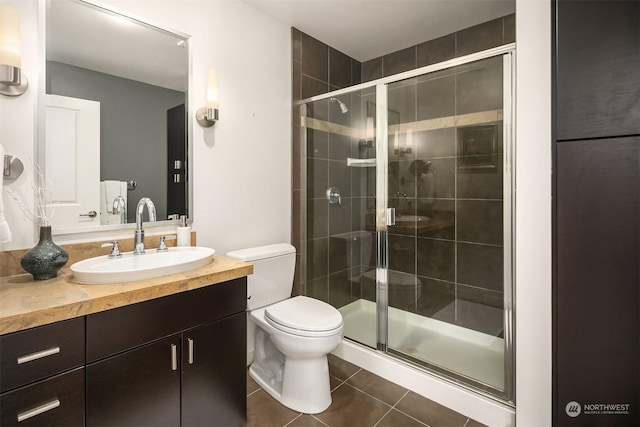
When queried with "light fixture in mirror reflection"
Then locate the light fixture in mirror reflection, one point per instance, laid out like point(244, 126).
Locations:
point(113, 115)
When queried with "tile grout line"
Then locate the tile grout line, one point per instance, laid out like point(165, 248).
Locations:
point(382, 417)
point(394, 407)
point(319, 420)
point(391, 408)
point(298, 416)
point(254, 391)
point(404, 413)
point(342, 382)
point(351, 376)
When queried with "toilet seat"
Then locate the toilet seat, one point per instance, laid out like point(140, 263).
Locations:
point(304, 316)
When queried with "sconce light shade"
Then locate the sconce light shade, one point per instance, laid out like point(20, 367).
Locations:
point(213, 100)
point(207, 116)
point(12, 81)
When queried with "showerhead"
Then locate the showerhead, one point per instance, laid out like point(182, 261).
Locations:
point(343, 107)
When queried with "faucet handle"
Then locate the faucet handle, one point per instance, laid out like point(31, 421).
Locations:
point(115, 249)
point(163, 246)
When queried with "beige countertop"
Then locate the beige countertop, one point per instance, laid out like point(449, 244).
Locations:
point(25, 303)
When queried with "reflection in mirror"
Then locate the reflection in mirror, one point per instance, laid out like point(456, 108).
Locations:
point(115, 118)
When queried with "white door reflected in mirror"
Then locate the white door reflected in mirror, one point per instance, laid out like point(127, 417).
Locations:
point(72, 153)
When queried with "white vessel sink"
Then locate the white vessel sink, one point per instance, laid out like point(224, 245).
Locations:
point(151, 264)
point(411, 218)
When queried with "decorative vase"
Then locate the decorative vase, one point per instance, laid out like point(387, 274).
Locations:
point(45, 259)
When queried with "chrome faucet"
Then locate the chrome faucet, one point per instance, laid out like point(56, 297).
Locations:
point(396, 198)
point(139, 234)
point(120, 206)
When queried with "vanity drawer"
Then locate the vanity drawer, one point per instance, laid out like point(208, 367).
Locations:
point(37, 353)
point(57, 401)
point(114, 331)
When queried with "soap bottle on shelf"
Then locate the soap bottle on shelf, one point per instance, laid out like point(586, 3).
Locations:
point(184, 232)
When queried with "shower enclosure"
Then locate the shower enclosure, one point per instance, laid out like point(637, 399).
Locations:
point(409, 216)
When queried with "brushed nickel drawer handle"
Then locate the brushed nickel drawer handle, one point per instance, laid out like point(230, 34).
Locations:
point(190, 341)
point(38, 355)
point(174, 357)
point(38, 410)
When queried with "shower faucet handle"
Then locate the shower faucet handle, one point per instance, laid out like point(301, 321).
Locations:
point(333, 196)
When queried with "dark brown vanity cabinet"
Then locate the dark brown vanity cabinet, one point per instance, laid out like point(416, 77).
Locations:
point(172, 361)
point(175, 361)
point(136, 388)
point(42, 376)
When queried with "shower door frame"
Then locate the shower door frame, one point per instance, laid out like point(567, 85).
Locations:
point(382, 216)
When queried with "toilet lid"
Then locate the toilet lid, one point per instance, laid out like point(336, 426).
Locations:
point(304, 314)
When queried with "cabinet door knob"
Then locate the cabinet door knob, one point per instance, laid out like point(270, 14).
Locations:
point(38, 410)
point(174, 357)
point(190, 341)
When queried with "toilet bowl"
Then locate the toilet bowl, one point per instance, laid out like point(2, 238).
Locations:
point(291, 336)
point(299, 378)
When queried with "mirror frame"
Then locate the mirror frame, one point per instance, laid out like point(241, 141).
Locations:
point(39, 149)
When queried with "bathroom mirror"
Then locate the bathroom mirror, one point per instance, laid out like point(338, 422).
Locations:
point(114, 117)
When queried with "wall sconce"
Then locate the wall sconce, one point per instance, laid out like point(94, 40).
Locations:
point(207, 116)
point(12, 81)
point(407, 148)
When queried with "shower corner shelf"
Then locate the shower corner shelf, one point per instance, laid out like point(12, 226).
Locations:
point(361, 163)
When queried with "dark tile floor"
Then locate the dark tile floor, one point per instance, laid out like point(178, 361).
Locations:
point(360, 399)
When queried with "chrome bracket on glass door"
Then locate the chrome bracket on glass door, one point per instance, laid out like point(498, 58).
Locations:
point(382, 217)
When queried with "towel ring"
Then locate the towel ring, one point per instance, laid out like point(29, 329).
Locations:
point(13, 168)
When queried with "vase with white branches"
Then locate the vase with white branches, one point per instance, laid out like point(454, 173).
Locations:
point(43, 209)
point(45, 259)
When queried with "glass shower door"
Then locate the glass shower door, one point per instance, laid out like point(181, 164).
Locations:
point(447, 257)
point(340, 254)
point(408, 217)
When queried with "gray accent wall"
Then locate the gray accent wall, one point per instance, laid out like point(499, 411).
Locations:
point(133, 128)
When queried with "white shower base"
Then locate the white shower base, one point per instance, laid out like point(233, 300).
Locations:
point(467, 352)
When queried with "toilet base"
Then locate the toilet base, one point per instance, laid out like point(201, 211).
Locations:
point(295, 389)
point(300, 383)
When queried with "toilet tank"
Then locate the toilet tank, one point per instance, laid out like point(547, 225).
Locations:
point(273, 270)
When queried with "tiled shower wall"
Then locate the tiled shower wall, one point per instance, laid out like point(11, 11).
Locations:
point(459, 197)
point(317, 69)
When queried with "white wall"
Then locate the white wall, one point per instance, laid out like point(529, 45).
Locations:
point(241, 166)
point(18, 128)
point(533, 213)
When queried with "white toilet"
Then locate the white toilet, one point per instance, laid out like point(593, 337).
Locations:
point(291, 336)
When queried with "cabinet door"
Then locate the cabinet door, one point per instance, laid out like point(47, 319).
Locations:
point(137, 388)
point(598, 288)
point(598, 60)
point(54, 402)
point(214, 390)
